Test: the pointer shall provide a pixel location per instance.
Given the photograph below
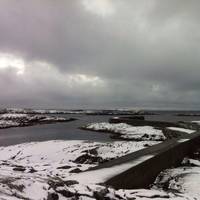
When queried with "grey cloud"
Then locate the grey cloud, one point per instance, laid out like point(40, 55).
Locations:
point(146, 53)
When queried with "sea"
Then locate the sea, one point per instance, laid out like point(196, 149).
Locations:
point(71, 130)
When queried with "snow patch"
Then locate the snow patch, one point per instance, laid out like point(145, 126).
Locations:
point(188, 131)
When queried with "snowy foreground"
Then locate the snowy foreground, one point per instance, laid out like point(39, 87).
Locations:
point(53, 170)
point(15, 120)
point(45, 170)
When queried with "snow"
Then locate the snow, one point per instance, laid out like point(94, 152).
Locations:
point(182, 140)
point(33, 170)
point(8, 123)
point(196, 122)
point(188, 131)
point(185, 180)
point(53, 161)
point(12, 116)
point(128, 132)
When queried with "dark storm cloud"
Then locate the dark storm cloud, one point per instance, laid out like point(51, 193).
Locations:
point(105, 53)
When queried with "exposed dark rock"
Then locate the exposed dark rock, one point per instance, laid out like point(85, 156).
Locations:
point(64, 167)
point(129, 118)
point(76, 170)
point(70, 182)
point(32, 170)
point(100, 195)
point(66, 193)
point(88, 159)
point(21, 169)
point(147, 145)
point(57, 183)
point(52, 196)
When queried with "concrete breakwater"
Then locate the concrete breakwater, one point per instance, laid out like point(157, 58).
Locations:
point(164, 155)
point(139, 169)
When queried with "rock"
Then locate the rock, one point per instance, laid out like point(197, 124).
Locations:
point(77, 170)
point(100, 195)
point(32, 170)
point(55, 184)
point(91, 151)
point(66, 193)
point(20, 169)
point(88, 159)
point(52, 196)
point(64, 167)
point(70, 182)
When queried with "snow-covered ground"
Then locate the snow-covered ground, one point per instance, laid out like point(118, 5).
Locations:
point(14, 120)
point(125, 131)
point(41, 169)
point(184, 180)
point(52, 170)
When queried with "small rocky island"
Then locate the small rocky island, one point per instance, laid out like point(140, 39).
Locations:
point(9, 120)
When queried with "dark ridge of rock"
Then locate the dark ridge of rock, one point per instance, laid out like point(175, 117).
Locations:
point(123, 119)
point(76, 170)
point(20, 169)
point(188, 114)
point(137, 122)
point(71, 182)
point(64, 167)
point(120, 112)
point(56, 183)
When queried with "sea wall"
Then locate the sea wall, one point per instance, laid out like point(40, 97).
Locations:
point(167, 154)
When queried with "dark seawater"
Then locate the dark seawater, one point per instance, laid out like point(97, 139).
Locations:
point(57, 131)
point(71, 131)
point(170, 116)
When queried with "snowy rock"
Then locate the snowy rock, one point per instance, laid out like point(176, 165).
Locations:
point(125, 131)
point(14, 120)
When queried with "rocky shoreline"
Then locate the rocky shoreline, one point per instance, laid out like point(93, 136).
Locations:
point(21, 120)
point(117, 127)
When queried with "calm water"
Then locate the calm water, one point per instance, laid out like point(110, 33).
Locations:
point(70, 130)
point(57, 131)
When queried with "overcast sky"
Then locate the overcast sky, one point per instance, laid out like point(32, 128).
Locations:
point(100, 53)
